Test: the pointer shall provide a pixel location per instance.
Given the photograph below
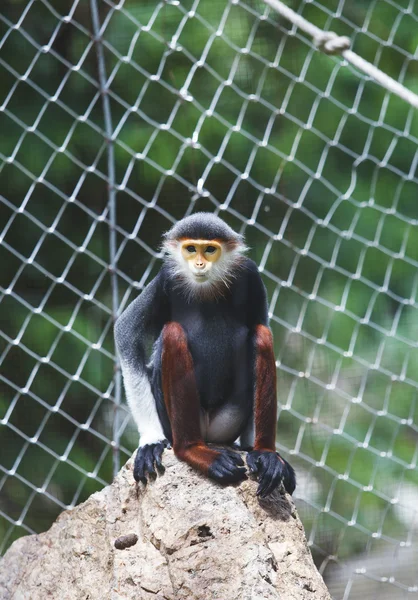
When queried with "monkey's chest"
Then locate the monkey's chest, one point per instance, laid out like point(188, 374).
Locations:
point(220, 348)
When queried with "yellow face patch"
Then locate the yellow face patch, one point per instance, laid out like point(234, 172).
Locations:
point(208, 251)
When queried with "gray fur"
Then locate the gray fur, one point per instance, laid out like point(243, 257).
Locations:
point(203, 225)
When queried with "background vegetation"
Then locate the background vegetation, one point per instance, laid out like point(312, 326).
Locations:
point(214, 106)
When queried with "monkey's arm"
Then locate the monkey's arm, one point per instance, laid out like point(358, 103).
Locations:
point(139, 324)
point(263, 459)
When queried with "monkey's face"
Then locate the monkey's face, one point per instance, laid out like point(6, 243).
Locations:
point(200, 257)
point(203, 268)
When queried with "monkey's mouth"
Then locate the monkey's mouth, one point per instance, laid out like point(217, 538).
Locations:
point(200, 276)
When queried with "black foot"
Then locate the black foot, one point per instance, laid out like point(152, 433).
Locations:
point(228, 467)
point(271, 469)
point(148, 456)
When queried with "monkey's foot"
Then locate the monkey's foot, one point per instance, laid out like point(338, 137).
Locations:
point(227, 467)
point(147, 458)
point(271, 469)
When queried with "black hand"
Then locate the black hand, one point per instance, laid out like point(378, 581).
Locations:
point(145, 459)
point(228, 467)
point(271, 469)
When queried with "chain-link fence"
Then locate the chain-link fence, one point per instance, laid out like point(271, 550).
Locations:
point(117, 119)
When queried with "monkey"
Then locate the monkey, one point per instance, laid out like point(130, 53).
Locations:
point(197, 359)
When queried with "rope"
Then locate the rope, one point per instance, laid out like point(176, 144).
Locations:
point(330, 43)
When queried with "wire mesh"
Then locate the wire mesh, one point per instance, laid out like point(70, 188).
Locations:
point(117, 119)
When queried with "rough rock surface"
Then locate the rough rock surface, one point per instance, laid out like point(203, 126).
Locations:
point(196, 540)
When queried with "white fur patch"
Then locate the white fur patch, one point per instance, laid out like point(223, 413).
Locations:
point(223, 426)
point(142, 404)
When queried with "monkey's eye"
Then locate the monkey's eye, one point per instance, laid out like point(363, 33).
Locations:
point(191, 249)
point(210, 249)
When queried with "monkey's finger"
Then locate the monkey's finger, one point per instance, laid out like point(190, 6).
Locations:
point(139, 472)
point(238, 475)
point(236, 458)
point(230, 461)
point(289, 478)
point(253, 462)
point(225, 472)
point(158, 450)
point(266, 467)
point(263, 484)
point(157, 453)
point(223, 475)
point(271, 479)
point(149, 462)
point(273, 471)
point(225, 462)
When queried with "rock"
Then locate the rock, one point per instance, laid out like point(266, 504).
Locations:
point(196, 540)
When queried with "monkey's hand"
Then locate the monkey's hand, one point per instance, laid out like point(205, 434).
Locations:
point(221, 464)
point(271, 469)
point(228, 467)
point(147, 457)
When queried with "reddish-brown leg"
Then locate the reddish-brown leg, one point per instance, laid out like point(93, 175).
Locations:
point(183, 407)
point(264, 460)
point(265, 402)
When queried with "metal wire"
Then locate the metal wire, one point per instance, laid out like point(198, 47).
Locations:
point(333, 44)
point(112, 218)
point(118, 119)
